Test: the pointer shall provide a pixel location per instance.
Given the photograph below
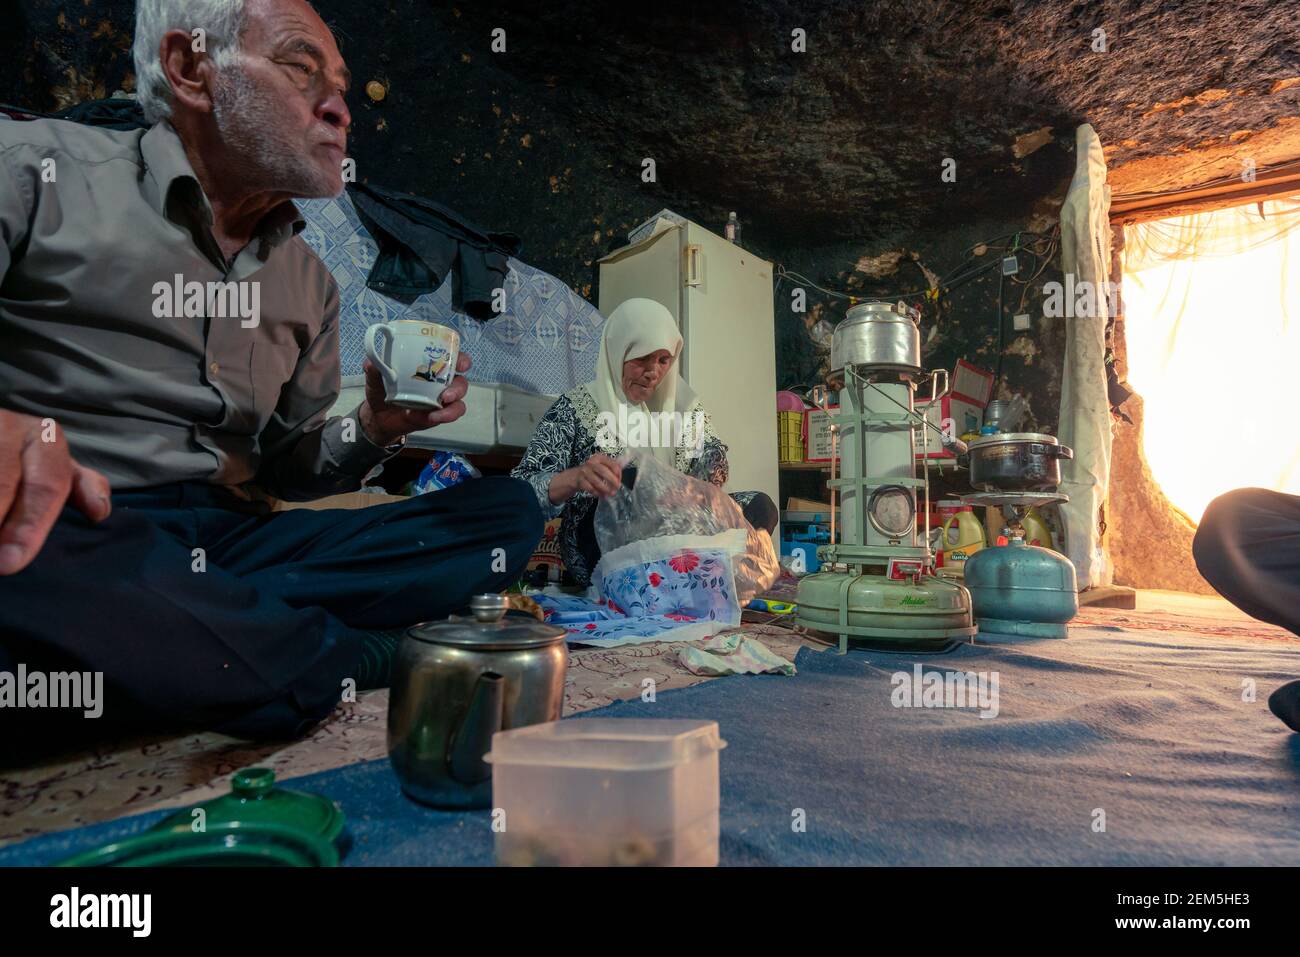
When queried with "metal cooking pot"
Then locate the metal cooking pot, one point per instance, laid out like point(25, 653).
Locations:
point(458, 682)
point(1017, 462)
point(876, 335)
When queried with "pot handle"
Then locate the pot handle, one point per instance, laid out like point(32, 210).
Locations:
point(1063, 451)
point(473, 738)
point(935, 392)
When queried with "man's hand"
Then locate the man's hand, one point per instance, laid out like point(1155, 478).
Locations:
point(37, 476)
point(384, 424)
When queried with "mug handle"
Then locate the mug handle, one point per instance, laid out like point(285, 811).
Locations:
point(386, 372)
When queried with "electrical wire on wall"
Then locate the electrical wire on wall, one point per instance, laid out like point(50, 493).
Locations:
point(1042, 248)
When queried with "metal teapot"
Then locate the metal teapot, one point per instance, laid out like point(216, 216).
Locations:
point(458, 682)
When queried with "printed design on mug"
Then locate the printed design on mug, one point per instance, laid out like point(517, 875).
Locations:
point(435, 364)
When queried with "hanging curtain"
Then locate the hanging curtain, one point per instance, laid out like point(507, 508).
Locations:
point(1085, 407)
point(1212, 321)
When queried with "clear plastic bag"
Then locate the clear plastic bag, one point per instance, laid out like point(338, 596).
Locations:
point(662, 502)
point(1007, 414)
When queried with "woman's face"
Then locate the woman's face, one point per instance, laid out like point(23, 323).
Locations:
point(642, 376)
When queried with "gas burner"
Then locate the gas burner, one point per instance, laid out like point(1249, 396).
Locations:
point(1015, 499)
point(1020, 589)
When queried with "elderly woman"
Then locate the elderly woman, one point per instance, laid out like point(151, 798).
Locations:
point(572, 460)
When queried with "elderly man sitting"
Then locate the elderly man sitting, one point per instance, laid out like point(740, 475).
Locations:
point(130, 432)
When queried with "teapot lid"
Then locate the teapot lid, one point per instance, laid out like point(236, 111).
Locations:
point(489, 629)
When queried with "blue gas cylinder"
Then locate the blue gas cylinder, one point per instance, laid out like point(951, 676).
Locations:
point(1020, 589)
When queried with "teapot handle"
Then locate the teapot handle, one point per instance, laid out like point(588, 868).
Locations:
point(473, 738)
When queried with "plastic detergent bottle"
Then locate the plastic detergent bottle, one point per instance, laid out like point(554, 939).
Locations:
point(963, 536)
point(1036, 530)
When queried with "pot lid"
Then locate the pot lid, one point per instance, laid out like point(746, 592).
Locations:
point(230, 843)
point(876, 312)
point(999, 438)
point(255, 799)
point(490, 628)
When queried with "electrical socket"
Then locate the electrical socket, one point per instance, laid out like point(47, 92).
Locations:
point(1020, 323)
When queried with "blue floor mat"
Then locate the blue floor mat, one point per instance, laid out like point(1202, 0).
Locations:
point(1109, 748)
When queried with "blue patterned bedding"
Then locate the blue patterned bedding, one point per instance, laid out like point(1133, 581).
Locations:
point(546, 341)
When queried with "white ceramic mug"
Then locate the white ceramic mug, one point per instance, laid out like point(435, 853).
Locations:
point(418, 362)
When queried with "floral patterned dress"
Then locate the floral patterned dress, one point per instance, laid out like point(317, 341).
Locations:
point(566, 437)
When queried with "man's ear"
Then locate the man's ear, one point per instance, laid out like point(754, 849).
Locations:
point(189, 71)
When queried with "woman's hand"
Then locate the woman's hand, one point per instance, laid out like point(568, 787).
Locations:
point(600, 476)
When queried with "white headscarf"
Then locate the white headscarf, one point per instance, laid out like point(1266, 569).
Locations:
point(637, 328)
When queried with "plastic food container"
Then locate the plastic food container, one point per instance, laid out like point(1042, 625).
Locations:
point(607, 792)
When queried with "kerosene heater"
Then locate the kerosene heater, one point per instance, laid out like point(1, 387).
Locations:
point(877, 585)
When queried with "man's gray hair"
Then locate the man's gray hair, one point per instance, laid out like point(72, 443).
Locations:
point(222, 22)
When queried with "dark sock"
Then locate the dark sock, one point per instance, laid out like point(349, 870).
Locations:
point(377, 650)
point(1285, 703)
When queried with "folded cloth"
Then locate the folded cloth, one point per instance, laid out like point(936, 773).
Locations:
point(420, 241)
point(733, 654)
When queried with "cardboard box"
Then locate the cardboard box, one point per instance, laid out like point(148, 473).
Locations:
point(817, 435)
point(971, 384)
point(964, 416)
point(795, 504)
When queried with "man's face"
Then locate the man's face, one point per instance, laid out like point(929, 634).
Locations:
point(279, 107)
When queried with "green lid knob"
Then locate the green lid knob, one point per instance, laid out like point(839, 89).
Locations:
point(253, 782)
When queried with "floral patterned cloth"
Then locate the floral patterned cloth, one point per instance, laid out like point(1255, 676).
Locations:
point(642, 591)
point(664, 576)
point(616, 632)
point(567, 436)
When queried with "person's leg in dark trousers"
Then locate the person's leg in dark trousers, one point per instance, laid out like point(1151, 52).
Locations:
point(257, 632)
point(1248, 547)
point(392, 565)
point(178, 640)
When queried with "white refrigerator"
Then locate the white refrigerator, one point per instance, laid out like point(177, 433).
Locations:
point(721, 296)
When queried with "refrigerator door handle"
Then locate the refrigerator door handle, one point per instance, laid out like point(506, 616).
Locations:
point(692, 277)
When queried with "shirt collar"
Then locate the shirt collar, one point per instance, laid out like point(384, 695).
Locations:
point(173, 190)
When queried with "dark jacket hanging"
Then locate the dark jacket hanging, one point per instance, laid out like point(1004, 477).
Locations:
point(420, 241)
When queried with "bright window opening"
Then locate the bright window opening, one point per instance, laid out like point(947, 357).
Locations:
point(1212, 320)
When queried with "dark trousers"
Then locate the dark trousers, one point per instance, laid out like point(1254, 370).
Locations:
point(200, 614)
point(1248, 547)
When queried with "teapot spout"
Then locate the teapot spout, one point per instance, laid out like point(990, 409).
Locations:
point(473, 738)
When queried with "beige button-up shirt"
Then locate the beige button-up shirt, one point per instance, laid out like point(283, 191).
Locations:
point(103, 235)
